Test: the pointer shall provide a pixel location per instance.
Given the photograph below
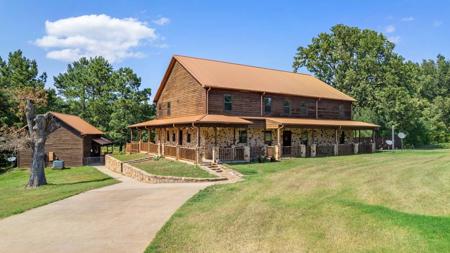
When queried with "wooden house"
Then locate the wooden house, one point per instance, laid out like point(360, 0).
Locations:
point(76, 142)
point(211, 110)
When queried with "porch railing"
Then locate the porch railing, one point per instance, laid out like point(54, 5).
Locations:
point(256, 152)
point(153, 148)
point(144, 146)
point(231, 153)
point(170, 151)
point(270, 151)
point(345, 149)
point(187, 153)
point(365, 148)
point(325, 150)
point(291, 151)
point(132, 147)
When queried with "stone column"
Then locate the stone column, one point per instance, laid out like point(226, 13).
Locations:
point(373, 148)
point(302, 150)
point(355, 148)
point(336, 147)
point(276, 152)
point(247, 153)
point(313, 150)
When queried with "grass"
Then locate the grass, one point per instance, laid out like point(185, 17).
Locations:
point(165, 167)
point(128, 157)
point(15, 198)
point(384, 202)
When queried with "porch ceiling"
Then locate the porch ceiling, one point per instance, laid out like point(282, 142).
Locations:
point(326, 123)
point(195, 119)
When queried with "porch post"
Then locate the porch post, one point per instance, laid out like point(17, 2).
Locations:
point(197, 150)
point(359, 135)
point(374, 144)
point(214, 155)
point(278, 149)
point(163, 141)
point(140, 139)
point(336, 151)
point(177, 139)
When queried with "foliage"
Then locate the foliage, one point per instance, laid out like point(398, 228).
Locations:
point(107, 98)
point(389, 91)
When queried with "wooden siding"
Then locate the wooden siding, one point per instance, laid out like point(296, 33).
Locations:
point(185, 94)
point(66, 144)
point(249, 104)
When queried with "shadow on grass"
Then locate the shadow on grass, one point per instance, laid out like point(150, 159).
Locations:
point(436, 229)
point(82, 182)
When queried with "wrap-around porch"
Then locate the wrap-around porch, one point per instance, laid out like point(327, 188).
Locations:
point(231, 139)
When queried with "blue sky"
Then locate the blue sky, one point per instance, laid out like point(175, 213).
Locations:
point(261, 33)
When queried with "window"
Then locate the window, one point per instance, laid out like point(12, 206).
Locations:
point(267, 105)
point(268, 137)
point(188, 138)
point(168, 136)
point(341, 111)
point(303, 109)
point(243, 136)
point(286, 107)
point(168, 108)
point(227, 103)
point(173, 137)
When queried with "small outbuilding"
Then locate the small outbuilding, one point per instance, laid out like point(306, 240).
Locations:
point(76, 142)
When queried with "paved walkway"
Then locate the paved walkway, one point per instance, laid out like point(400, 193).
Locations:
point(119, 218)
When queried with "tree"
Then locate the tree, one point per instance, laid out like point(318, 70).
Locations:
point(107, 98)
point(363, 64)
point(39, 127)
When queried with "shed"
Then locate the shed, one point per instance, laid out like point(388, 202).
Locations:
point(76, 142)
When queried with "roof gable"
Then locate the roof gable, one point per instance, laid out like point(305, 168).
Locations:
point(77, 123)
point(224, 75)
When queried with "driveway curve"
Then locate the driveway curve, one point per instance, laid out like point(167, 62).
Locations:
point(123, 217)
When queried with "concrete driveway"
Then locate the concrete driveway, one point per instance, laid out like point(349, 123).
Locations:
point(119, 218)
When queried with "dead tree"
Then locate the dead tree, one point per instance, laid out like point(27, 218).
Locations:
point(39, 127)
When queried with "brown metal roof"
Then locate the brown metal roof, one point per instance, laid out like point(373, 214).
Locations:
point(102, 141)
point(322, 122)
point(77, 123)
point(218, 74)
point(209, 118)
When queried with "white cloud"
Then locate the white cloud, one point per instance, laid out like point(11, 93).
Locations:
point(408, 19)
point(394, 39)
point(437, 23)
point(162, 21)
point(389, 29)
point(71, 38)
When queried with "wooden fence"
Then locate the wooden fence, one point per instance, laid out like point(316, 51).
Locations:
point(291, 151)
point(365, 148)
point(153, 148)
point(324, 150)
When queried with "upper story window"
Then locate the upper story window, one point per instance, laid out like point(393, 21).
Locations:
point(227, 103)
point(286, 107)
point(267, 105)
point(243, 136)
point(303, 108)
point(341, 111)
point(168, 108)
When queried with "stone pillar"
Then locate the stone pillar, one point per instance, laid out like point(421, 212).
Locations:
point(302, 150)
point(159, 147)
point(313, 150)
point(247, 153)
point(355, 148)
point(162, 148)
point(336, 149)
point(177, 152)
point(373, 148)
point(197, 155)
point(276, 152)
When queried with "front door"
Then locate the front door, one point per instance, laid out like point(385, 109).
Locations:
point(180, 138)
point(287, 138)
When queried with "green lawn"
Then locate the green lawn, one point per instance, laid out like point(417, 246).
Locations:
point(15, 198)
point(128, 157)
point(165, 167)
point(384, 202)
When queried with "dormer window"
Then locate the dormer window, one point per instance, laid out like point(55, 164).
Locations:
point(227, 103)
point(267, 105)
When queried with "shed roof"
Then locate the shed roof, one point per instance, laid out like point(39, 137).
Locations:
point(225, 75)
point(205, 119)
point(77, 123)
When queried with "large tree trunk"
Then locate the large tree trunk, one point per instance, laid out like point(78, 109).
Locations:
point(39, 128)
